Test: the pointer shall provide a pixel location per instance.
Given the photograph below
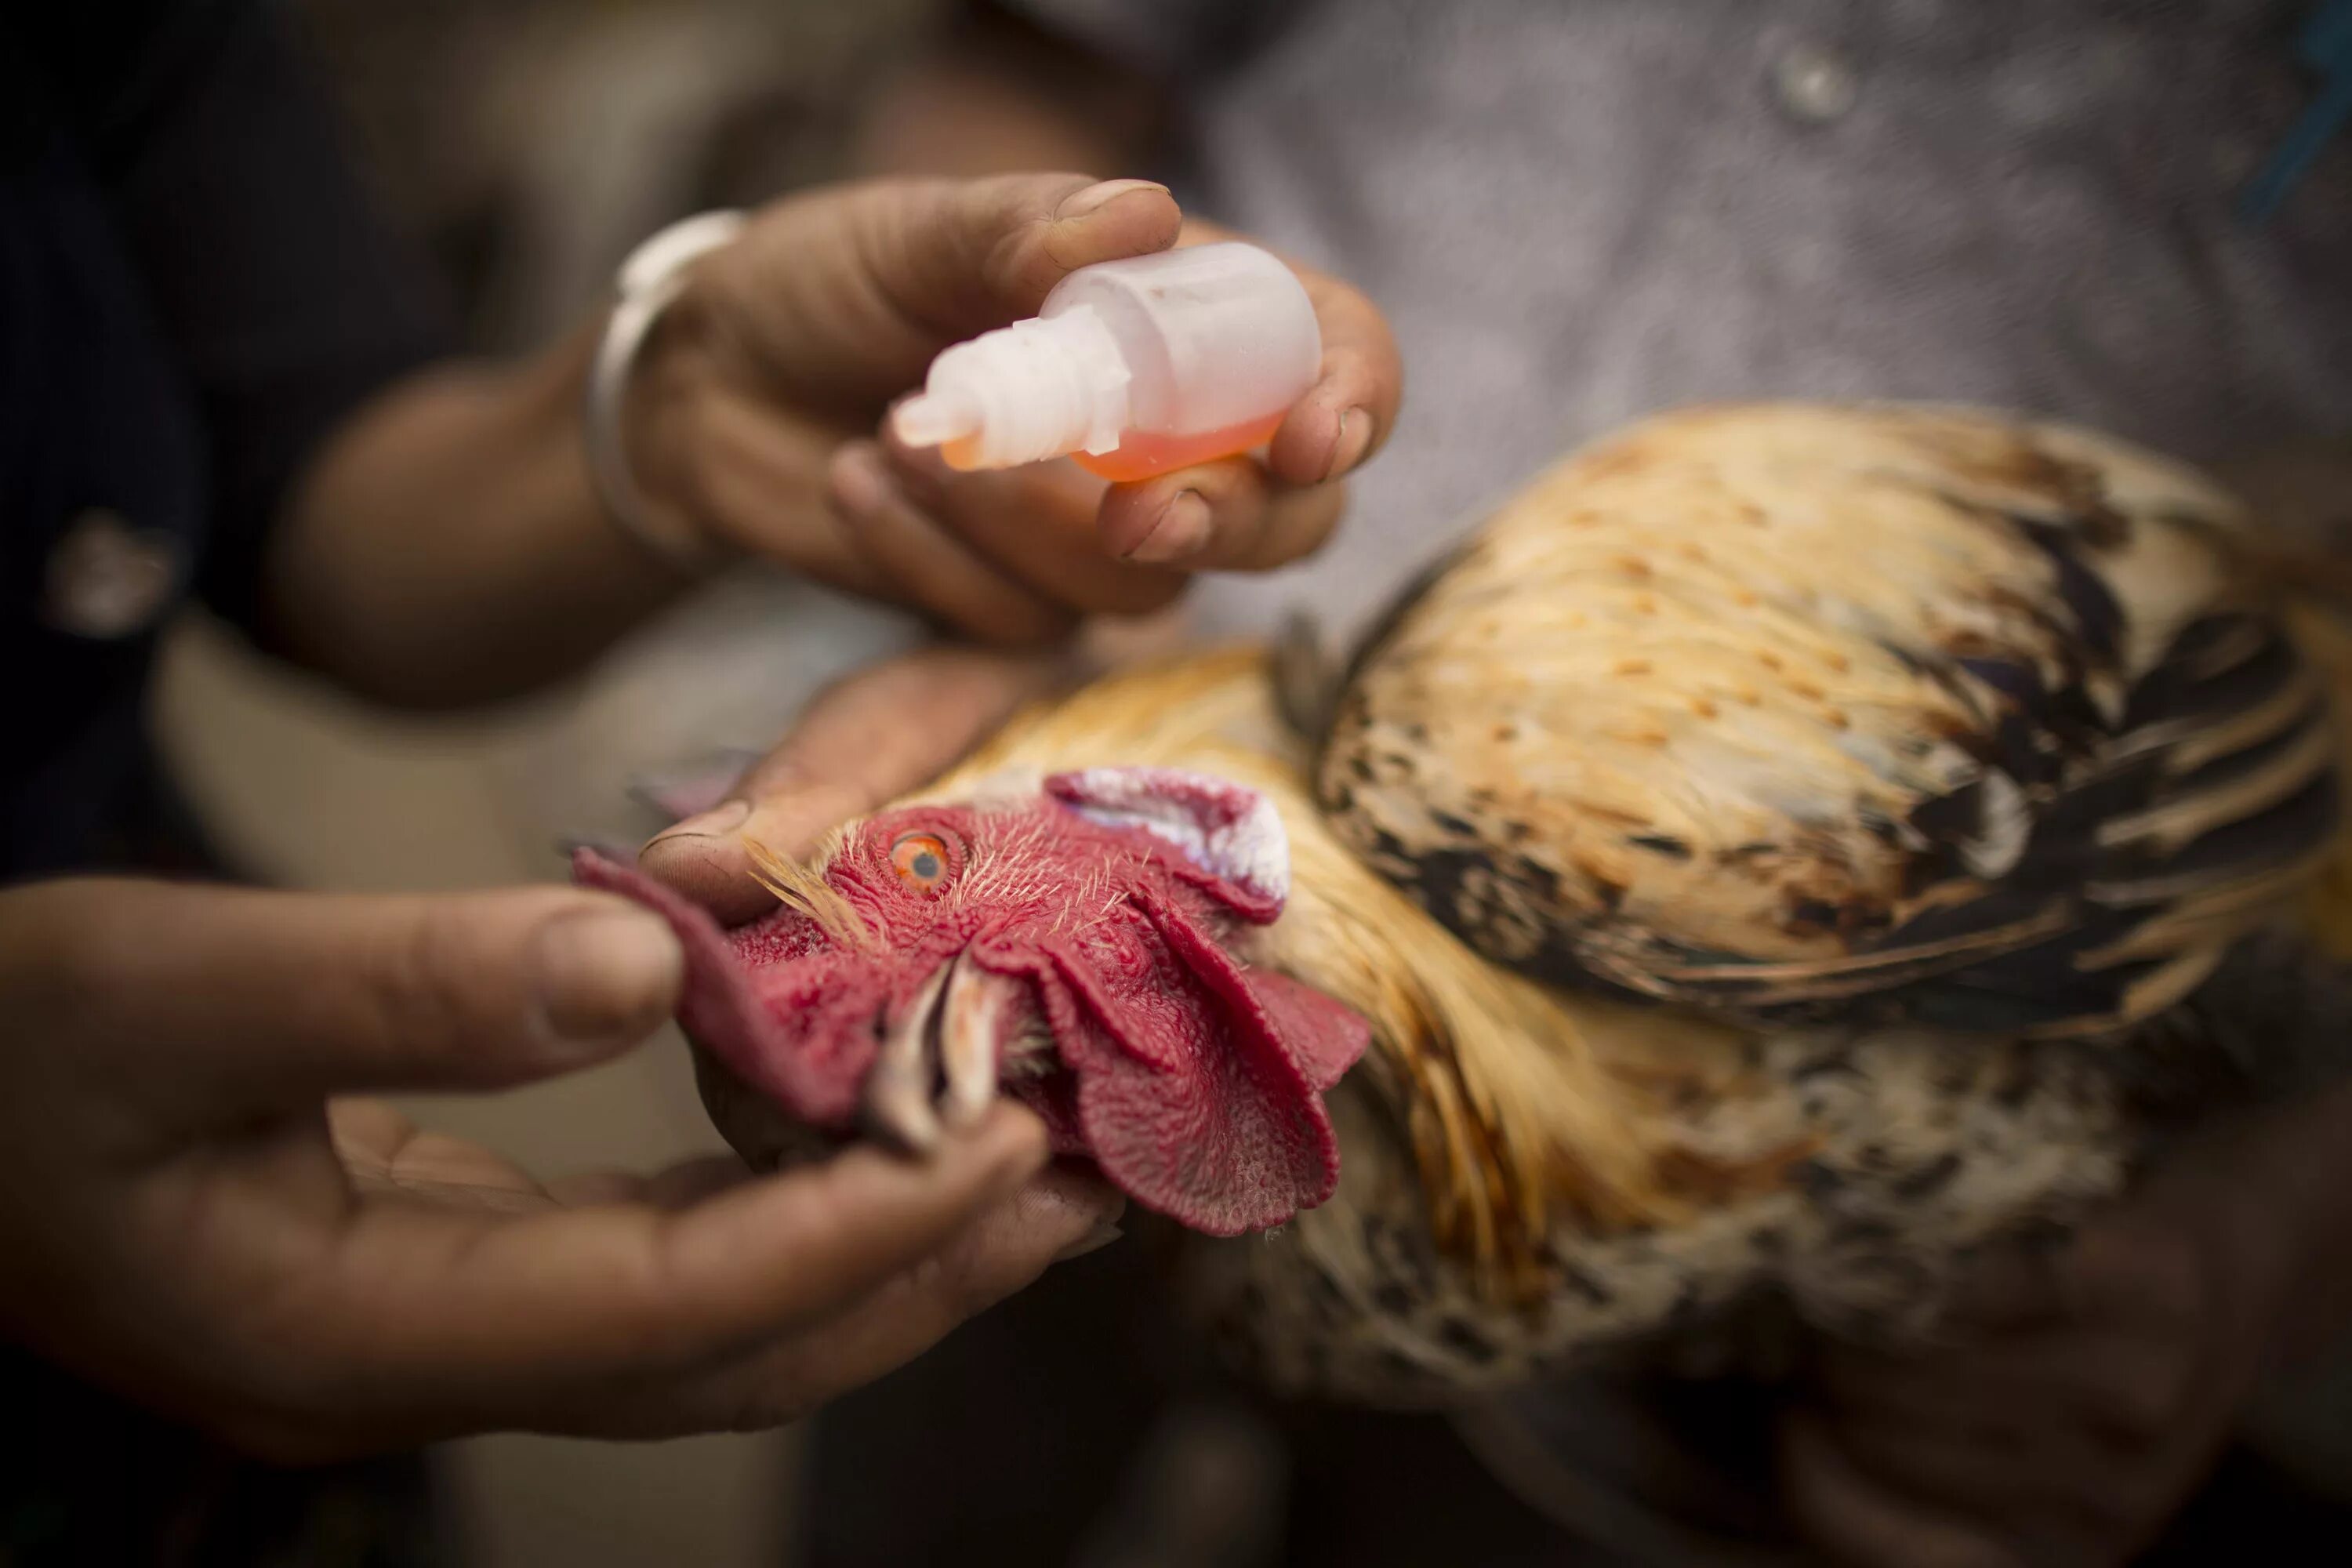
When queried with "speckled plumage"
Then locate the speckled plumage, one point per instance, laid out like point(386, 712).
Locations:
point(1534, 1171)
point(1799, 712)
point(1528, 1175)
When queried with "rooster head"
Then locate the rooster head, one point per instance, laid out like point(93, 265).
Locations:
point(1072, 940)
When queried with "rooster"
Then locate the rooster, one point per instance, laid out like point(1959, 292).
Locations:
point(1787, 848)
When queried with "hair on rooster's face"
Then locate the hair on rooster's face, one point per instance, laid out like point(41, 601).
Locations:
point(1069, 940)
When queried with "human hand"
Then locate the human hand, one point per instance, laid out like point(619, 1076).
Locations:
point(753, 413)
point(2108, 1375)
point(191, 1219)
point(857, 746)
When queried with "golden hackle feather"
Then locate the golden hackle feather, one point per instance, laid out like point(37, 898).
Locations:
point(800, 885)
point(1512, 1118)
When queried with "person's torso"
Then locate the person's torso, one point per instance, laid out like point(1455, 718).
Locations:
point(101, 500)
point(1578, 214)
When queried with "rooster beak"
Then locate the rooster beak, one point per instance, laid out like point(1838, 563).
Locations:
point(949, 1034)
point(899, 1091)
point(969, 1033)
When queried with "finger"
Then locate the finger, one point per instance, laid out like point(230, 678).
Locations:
point(2141, 1269)
point(928, 567)
point(961, 256)
point(392, 1156)
point(690, 1181)
point(1058, 1214)
point(1347, 415)
point(757, 482)
point(2054, 1493)
point(2131, 1382)
point(367, 1132)
point(472, 1319)
point(1108, 643)
point(2012, 1288)
point(2135, 1267)
point(1228, 516)
point(846, 294)
point(280, 998)
point(678, 1186)
point(1038, 524)
point(2046, 1480)
point(860, 745)
point(1861, 1524)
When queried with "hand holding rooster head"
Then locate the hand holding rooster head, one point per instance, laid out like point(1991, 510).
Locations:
point(193, 1216)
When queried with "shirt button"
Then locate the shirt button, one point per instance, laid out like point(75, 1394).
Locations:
point(1814, 84)
point(107, 579)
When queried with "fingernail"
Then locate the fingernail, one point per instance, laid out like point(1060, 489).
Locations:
point(717, 823)
point(1094, 198)
point(1095, 1240)
point(1180, 531)
point(861, 480)
point(1348, 446)
point(605, 975)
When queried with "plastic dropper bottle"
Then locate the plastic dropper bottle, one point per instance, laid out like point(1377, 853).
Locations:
point(1132, 368)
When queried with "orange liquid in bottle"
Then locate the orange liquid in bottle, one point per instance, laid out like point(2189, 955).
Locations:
point(1140, 454)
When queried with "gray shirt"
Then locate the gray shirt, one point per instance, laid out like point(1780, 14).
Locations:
point(1576, 212)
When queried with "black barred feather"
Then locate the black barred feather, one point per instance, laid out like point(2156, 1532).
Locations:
point(1873, 715)
point(1939, 773)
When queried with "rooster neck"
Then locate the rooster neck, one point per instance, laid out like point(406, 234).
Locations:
point(1510, 1123)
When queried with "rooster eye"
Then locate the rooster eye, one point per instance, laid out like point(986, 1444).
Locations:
point(922, 860)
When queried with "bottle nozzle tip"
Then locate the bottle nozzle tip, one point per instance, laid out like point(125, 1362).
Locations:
point(927, 419)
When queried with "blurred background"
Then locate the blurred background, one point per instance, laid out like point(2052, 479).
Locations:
point(526, 144)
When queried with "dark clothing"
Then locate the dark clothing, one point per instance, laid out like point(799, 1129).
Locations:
point(86, 1480)
point(1575, 215)
point(193, 293)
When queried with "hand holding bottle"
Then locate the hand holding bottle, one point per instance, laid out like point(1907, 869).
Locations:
point(1221, 391)
point(759, 409)
point(756, 415)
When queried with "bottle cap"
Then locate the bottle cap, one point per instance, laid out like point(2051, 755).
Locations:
point(1036, 389)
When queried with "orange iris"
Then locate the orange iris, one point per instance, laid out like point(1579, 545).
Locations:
point(922, 860)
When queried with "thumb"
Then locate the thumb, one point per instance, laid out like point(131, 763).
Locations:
point(1058, 1215)
point(847, 292)
point(976, 253)
point(866, 740)
point(252, 998)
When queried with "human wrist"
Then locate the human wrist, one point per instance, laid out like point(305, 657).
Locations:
point(656, 415)
point(632, 399)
